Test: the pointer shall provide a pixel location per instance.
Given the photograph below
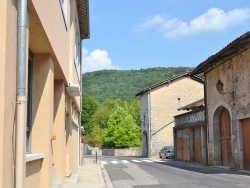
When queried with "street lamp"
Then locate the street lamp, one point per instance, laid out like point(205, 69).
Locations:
point(220, 87)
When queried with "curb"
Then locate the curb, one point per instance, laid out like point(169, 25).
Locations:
point(106, 177)
point(101, 177)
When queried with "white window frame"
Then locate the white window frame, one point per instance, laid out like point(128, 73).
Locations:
point(77, 50)
point(64, 8)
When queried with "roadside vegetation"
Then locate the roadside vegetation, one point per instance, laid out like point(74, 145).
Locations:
point(111, 124)
point(111, 112)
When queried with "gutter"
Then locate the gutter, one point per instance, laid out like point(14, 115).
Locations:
point(21, 94)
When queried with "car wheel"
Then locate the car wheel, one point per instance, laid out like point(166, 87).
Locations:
point(160, 155)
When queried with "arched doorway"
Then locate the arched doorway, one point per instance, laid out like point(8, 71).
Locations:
point(144, 144)
point(222, 137)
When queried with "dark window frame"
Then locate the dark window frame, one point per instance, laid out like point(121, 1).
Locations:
point(29, 103)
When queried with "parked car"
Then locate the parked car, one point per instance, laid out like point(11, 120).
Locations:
point(167, 152)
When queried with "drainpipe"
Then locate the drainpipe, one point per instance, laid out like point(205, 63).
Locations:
point(206, 116)
point(80, 113)
point(149, 122)
point(21, 93)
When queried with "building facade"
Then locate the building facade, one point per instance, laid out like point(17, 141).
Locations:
point(228, 109)
point(40, 98)
point(159, 104)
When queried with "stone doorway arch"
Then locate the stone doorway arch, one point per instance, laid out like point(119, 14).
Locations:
point(222, 137)
point(144, 144)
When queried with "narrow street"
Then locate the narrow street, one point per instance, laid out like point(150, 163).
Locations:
point(137, 172)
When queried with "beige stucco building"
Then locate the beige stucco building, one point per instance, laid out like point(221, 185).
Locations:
point(40, 103)
point(228, 111)
point(159, 104)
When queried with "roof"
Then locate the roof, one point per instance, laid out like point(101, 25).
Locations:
point(185, 74)
point(197, 104)
point(83, 17)
point(232, 49)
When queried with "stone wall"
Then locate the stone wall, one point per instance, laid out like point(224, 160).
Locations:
point(91, 150)
point(122, 152)
point(112, 152)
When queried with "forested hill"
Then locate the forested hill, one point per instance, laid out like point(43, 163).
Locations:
point(124, 84)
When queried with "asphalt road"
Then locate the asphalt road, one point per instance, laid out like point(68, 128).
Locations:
point(137, 172)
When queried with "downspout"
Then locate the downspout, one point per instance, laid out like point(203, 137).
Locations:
point(80, 113)
point(149, 123)
point(21, 93)
point(206, 115)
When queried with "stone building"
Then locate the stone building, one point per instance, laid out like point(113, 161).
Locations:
point(40, 98)
point(159, 104)
point(228, 107)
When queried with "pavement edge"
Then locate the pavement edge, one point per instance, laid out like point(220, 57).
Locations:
point(106, 177)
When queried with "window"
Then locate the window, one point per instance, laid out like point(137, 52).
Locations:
point(64, 7)
point(144, 118)
point(77, 50)
point(29, 103)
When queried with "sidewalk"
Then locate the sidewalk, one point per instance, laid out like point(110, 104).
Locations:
point(89, 175)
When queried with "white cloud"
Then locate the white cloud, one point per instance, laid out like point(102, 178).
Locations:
point(96, 60)
point(213, 20)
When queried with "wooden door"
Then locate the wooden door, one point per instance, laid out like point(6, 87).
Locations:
point(197, 145)
point(225, 138)
point(179, 146)
point(246, 142)
point(186, 145)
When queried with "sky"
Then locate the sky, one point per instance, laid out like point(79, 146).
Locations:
point(140, 34)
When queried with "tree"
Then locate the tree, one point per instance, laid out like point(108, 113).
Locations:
point(122, 130)
point(96, 136)
point(102, 114)
point(89, 107)
point(133, 108)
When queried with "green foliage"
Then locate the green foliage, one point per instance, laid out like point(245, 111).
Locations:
point(101, 116)
point(89, 107)
point(123, 85)
point(97, 138)
point(122, 130)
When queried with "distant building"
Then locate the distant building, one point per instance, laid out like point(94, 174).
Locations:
point(40, 98)
point(159, 104)
point(228, 108)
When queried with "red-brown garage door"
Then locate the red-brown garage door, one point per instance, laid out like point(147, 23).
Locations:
point(197, 144)
point(246, 142)
point(183, 145)
point(179, 145)
point(186, 145)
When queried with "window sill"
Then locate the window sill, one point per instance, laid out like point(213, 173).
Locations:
point(34, 156)
point(74, 123)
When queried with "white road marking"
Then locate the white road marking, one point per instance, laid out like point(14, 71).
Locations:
point(147, 161)
point(103, 162)
point(136, 161)
point(125, 161)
